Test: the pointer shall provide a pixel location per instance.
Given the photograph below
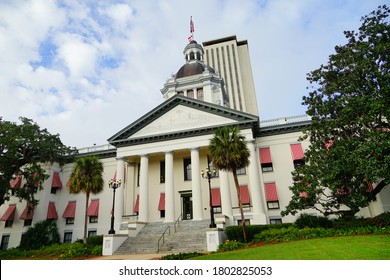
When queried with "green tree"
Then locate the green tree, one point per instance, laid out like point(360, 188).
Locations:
point(23, 148)
point(86, 177)
point(348, 160)
point(228, 151)
point(44, 233)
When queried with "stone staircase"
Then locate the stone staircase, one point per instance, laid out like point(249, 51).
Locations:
point(190, 236)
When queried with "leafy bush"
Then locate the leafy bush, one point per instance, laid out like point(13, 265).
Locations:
point(230, 245)
point(95, 240)
point(382, 220)
point(294, 233)
point(235, 232)
point(43, 233)
point(309, 221)
point(181, 256)
point(56, 251)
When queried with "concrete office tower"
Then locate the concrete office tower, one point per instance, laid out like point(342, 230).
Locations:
point(230, 58)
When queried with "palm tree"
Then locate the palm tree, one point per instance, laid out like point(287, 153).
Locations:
point(228, 151)
point(86, 177)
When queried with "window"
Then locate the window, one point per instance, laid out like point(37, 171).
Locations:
point(68, 237)
point(298, 163)
point(9, 223)
point(56, 183)
point(241, 171)
point(93, 211)
point(70, 212)
point(8, 216)
point(187, 169)
point(51, 212)
point(297, 155)
point(138, 173)
point(265, 159)
point(161, 205)
point(27, 216)
point(275, 221)
point(92, 232)
point(267, 167)
point(273, 204)
point(247, 222)
point(4, 242)
point(162, 171)
point(271, 196)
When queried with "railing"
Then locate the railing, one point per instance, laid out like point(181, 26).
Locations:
point(177, 222)
point(162, 237)
point(286, 120)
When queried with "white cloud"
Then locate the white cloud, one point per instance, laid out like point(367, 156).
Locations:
point(86, 69)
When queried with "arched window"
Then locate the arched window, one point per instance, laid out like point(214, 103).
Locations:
point(198, 56)
point(192, 56)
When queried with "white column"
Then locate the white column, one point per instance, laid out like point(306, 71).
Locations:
point(169, 189)
point(226, 198)
point(259, 216)
point(196, 188)
point(143, 189)
point(120, 171)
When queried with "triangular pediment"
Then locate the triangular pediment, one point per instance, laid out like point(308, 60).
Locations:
point(180, 117)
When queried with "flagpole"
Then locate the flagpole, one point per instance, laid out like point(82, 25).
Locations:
point(192, 29)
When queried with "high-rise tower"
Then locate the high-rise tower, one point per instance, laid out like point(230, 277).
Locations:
point(230, 59)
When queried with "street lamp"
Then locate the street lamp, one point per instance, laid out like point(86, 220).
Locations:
point(208, 174)
point(113, 185)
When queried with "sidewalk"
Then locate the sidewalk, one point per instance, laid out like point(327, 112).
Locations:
point(130, 257)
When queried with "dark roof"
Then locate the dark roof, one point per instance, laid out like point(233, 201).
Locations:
point(191, 69)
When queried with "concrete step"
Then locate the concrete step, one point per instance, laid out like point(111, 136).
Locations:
point(189, 236)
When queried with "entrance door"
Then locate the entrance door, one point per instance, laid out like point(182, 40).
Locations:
point(187, 206)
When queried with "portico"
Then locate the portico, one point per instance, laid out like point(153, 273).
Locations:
point(170, 163)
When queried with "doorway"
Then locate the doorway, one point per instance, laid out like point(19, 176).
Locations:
point(186, 206)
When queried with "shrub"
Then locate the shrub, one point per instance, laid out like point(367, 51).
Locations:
point(294, 233)
point(43, 233)
point(235, 232)
point(230, 245)
point(181, 256)
point(309, 221)
point(95, 240)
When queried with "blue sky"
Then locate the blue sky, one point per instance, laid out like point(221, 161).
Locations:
point(86, 69)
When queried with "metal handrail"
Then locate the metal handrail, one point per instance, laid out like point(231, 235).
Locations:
point(162, 237)
point(177, 222)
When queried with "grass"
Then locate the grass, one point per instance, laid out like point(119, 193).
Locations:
point(362, 247)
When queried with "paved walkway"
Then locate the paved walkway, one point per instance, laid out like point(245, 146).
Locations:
point(130, 257)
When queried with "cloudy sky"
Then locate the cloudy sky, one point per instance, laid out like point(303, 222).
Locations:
point(86, 69)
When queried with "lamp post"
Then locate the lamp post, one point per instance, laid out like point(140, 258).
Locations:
point(208, 174)
point(113, 185)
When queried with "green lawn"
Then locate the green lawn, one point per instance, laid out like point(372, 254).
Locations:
point(358, 247)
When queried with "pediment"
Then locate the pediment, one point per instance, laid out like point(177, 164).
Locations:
point(178, 117)
point(182, 118)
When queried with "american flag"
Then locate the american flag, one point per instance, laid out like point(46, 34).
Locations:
point(192, 29)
